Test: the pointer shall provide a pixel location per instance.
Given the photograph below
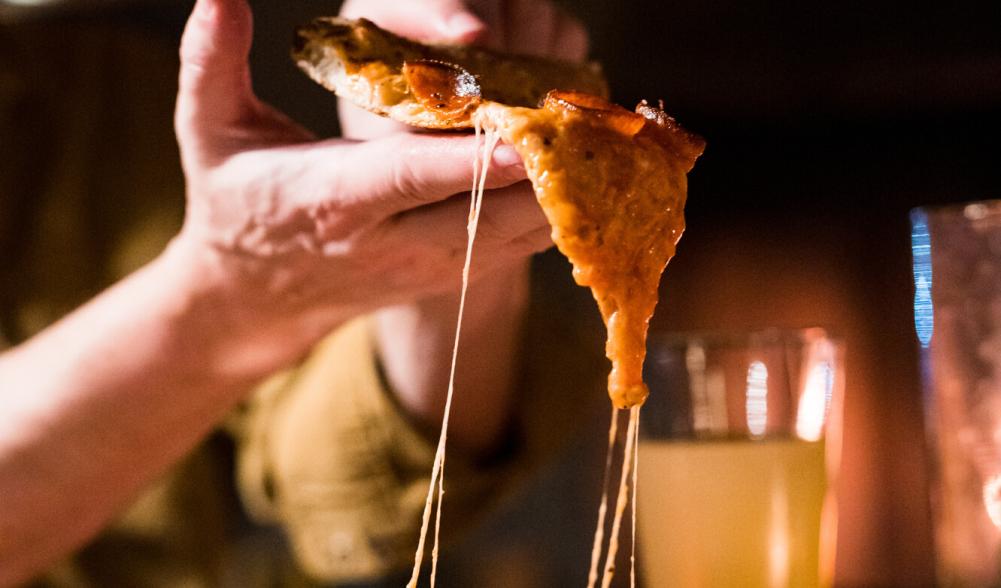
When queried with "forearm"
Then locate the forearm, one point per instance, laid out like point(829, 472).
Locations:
point(98, 405)
point(415, 344)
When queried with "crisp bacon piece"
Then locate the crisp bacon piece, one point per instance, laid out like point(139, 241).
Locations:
point(444, 88)
point(664, 129)
point(618, 118)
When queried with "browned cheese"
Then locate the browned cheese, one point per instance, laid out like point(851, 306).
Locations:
point(613, 185)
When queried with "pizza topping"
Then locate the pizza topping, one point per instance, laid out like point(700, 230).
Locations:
point(442, 87)
point(616, 117)
point(662, 127)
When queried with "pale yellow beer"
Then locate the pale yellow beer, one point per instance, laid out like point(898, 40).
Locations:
point(743, 513)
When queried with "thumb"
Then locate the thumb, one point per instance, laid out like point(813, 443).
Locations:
point(448, 21)
point(214, 90)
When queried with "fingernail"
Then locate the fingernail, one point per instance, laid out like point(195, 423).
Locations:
point(506, 156)
point(206, 9)
point(464, 26)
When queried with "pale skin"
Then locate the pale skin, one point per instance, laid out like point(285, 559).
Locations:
point(285, 239)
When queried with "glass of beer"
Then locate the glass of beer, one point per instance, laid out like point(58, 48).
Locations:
point(957, 319)
point(739, 443)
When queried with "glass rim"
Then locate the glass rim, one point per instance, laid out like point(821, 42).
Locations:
point(972, 209)
point(743, 338)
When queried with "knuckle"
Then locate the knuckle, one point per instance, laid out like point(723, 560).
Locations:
point(408, 182)
point(490, 228)
point(575, 35)
point(530, 243)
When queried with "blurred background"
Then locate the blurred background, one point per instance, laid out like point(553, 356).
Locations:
point(825, 123)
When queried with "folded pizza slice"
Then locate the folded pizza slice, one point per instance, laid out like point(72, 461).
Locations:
point(375, 69)
point(612, 183)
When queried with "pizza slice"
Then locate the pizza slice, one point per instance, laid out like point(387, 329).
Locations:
point(612, 183)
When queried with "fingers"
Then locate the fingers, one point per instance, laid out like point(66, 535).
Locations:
point(570, 41)
point(511, 225)
point(532, 27)
point(400, 172)
point(443, 21)
point(543, 29)
point(358, 123)
point(495, 13)
point(214, 86)
point(424, 20)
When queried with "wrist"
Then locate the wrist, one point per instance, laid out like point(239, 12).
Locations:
point(414, 342)
point(226, 324)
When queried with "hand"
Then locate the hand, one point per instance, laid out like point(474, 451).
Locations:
point(415, 339)
point(531, 27)
point(301, 235)
point(284, 239)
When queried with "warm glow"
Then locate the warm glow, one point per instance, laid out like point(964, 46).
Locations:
point(778, 536)
point(757, 398)
point(27, 2)
point(708, 391)
point(814, 402)
point(992, 500)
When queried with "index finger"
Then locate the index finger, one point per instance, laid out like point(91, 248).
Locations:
point(402, 171)
point(448, 21)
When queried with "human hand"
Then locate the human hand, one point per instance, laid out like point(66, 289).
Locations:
point(415, 339)
point(298, 235)
point(532, 27)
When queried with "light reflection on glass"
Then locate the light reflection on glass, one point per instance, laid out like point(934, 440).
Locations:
point(757, 398)
point(695, 363)
point(778, 535)
point(815, 400)
point(708, 392)
point(992, 500)
point(921, 255)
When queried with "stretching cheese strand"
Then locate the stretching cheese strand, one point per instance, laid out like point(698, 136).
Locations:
point(476, 202)
point(599, 531)
point(636, 469)
point(438, 468)
point(622, 499)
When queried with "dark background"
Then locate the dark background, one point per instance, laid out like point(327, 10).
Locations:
point(825, 124)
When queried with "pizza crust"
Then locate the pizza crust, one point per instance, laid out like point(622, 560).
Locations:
point(364, 64)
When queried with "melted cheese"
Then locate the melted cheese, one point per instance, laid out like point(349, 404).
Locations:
point(616, 206)
point(599, 531)
point(622, 501)
point(480, 167)
point(612, 185)
point(636, 469)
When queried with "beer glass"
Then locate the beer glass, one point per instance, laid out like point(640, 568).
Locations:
point(739, 444)
point(957, 311)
